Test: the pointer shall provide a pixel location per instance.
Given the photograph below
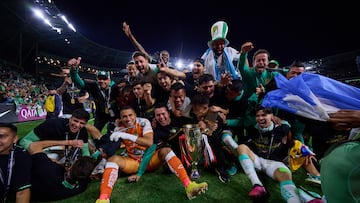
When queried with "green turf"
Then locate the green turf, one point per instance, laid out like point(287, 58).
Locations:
point(159, 187)
point(25, 127)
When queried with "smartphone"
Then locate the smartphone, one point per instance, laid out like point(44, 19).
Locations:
point(211, 116)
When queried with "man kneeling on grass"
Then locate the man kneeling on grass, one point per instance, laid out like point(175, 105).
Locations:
point(137, 136)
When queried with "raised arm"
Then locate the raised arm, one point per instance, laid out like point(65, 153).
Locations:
point(62, 89)
point(243, 64)
point(137, 45)
point(74, 64)
point(172, 72)
point(149, 99)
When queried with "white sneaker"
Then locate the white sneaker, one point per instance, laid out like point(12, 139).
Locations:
point(99, 169)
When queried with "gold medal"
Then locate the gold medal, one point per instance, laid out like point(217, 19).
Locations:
point(72, 101)
point(107, 110)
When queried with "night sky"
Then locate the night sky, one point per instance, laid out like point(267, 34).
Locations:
point(289, 31)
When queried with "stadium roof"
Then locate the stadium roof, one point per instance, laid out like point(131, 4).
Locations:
point(23, 36)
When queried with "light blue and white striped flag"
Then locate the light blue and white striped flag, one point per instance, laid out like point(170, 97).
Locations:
point(312, 96)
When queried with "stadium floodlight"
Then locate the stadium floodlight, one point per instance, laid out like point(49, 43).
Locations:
point(179, 64)
point(44, 11)
point(38, 13)
point(47, 21)
point(71, 27)
point(308, 68)
point(58, 30)
point(64, 18)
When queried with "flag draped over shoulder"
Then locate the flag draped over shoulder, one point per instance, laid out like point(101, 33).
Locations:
point(312, 96)
point(229, 55)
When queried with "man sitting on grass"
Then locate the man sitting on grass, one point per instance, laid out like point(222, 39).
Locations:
point(137, 135)
point(265, 152)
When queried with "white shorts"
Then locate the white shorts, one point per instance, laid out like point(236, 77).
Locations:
point(267, 166)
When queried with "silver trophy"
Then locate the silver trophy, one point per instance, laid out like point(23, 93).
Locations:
point(193, 147)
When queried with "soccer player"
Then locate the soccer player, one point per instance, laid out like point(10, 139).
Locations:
point(15, 166)
point(137, 135)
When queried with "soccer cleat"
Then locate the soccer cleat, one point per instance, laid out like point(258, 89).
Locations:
point(258, 191)
point(194, 174)
point(102, 201)
point(223, 175)
point(194, 189)
point(313, 179)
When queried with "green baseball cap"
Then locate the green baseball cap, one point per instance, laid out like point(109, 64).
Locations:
point(103, 73)
point(274, 62)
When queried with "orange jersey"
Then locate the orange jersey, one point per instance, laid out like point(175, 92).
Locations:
point(134, 150)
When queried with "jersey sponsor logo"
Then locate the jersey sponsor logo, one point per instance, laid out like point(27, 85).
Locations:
point(4, 113)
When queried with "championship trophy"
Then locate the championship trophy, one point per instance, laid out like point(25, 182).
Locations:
point(193, 147)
